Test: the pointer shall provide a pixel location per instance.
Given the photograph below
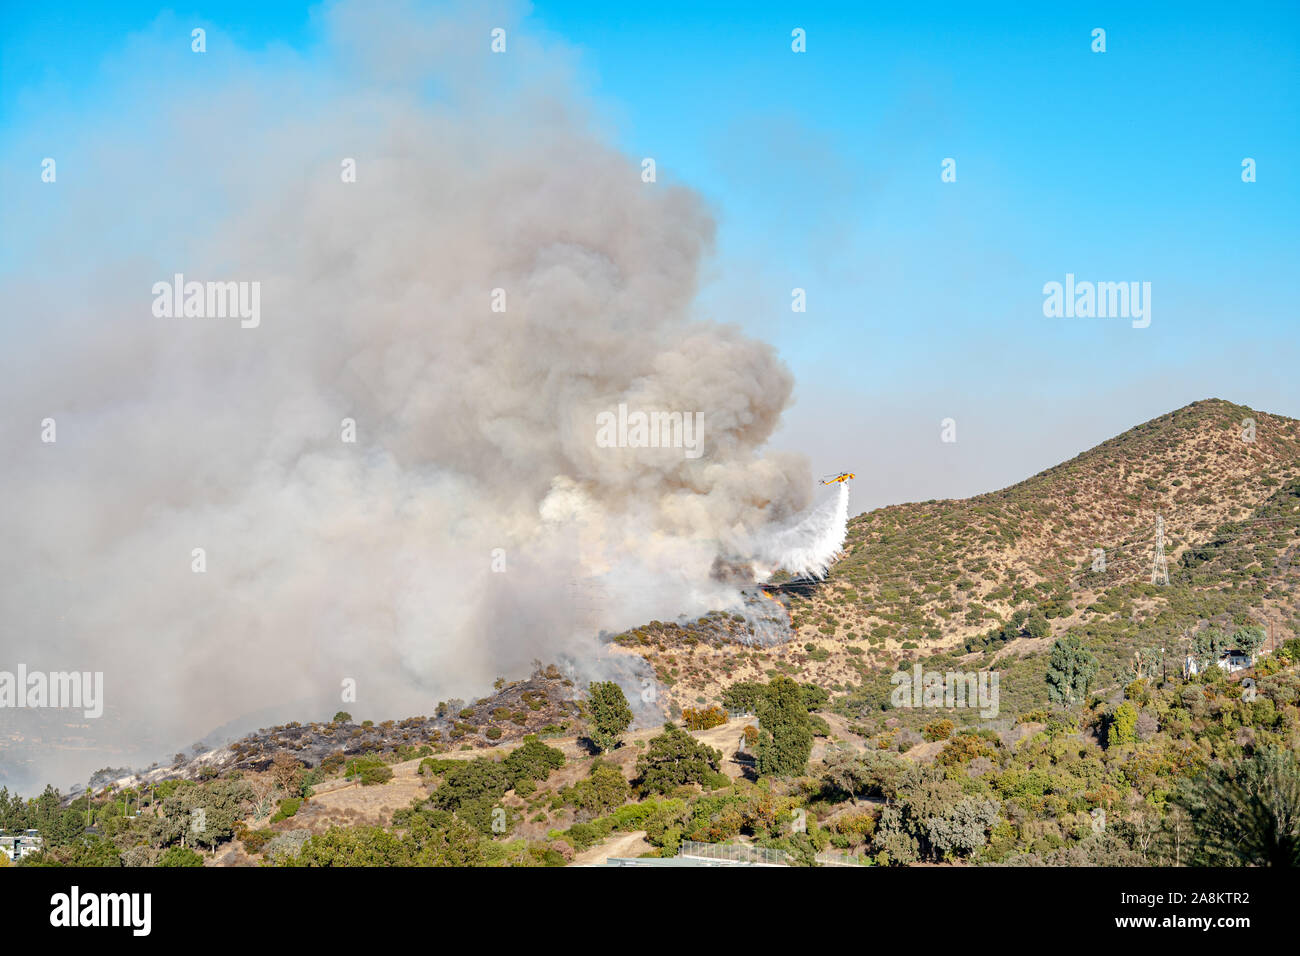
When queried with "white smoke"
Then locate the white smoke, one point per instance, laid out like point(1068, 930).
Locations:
point(806, 548)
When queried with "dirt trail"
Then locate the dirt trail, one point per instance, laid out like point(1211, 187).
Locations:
point(618, 844)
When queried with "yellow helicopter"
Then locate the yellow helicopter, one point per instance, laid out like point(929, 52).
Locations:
point(842, 476)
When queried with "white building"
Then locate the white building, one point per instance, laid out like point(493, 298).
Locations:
point(17, 845)
point(1230, 661)
point(1234, 661)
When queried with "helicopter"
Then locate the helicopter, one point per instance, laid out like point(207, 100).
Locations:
point(842, 476)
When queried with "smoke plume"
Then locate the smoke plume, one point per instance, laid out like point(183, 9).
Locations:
point(475, 523)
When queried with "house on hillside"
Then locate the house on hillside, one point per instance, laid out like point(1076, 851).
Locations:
point(1230, 661)
point(1233, 661)
point(17, 845)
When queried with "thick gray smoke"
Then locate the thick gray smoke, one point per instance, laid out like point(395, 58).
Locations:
point(475, 429)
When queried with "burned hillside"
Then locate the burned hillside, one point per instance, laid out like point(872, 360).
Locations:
point(543, 704)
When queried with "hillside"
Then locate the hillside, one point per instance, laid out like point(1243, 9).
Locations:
point(984, 586)
point(935, 576)
point(515, 709)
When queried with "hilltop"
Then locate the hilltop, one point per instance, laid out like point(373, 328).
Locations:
point(953, 575)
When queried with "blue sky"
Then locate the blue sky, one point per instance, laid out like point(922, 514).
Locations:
point(924, 298)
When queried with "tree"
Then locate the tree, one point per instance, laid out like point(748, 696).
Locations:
point(13, 811)
point(1036, 625)
point(785, 736)
point(847, 773)
point(263, 793)
point(351, 846)
point(744, 696)
point(342, 717)
point(608, 714)
point(1248, 640)
point(1071, 668)
point(1208, 646)
point(1248, 813)
point(205, 814)
point(605, 789)
point(1122, 727)
point(533, 761)
point(179, 856)
point(963, 829)
point(287, 772)
point(894, 840)
point(435, 838)
point(814, 697)
point(675, 758)
point(82, 852)
point(472, 789)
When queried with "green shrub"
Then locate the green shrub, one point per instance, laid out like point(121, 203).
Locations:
point(938, 730)
point(288, 807)
point(256, 840)
point(699, 718)
point(369, 770)
point(180, 856)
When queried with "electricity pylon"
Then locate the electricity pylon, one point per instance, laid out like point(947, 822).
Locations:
point(1160, 567)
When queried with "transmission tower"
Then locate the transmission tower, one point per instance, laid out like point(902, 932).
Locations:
point(1160, 567)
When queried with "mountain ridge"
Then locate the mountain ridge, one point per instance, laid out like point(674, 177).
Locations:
point(937, 576)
